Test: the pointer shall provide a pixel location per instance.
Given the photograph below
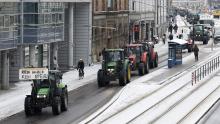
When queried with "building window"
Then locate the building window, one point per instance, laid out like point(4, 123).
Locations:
point(47, 18)
point(60, 18)
point(109, 3)
point(30, 19)
point(7, 21)
point(1, 21)
point(11, 20)
point(96, 5)
point(103, 5)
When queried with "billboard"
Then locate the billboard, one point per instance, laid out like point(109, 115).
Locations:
point(33, 73)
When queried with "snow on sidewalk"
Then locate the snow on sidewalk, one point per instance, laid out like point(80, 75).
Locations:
point(12, 100)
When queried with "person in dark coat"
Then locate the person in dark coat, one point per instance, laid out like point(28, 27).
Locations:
point(80, 66)
point(175, 28)
point(171, 36)
point(196, 52)
point(164, 38)
point(170, 28)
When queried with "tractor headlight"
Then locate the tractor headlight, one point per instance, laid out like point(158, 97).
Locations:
point(41, 96)
point(110, 70)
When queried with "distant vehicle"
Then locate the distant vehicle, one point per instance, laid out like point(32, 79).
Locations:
point(200, 33)
point(217, 35)
point(207, 22)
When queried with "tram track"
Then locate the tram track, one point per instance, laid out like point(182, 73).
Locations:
point(165, 83)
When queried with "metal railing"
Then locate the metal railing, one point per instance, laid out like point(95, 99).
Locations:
point(205, 70)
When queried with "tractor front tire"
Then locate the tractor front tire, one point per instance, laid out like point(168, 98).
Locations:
point(147, 67)
point(156, 61)
point(122, 78)
point(28, 106)
point(141, 69)
point(56, 107)
point(64, 100)
point(101, 82)
point(128, 74)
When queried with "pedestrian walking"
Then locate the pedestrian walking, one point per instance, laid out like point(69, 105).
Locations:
point(170, 28)
point(175, 28)
point(164, 38)
point(171, 36)
point(196, 52)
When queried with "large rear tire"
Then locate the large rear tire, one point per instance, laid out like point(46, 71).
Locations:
point(64, 100)
point(122, 78)
point(141, 69)
point(28, 106)
point(56, 107)
point(100, 80)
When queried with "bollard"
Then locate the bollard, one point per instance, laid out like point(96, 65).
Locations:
point(200, 73)
point(218, 61)
point(195, 76)
point(203, 72)
point(192, 77)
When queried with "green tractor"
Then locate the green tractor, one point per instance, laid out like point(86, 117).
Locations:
point(47, 92)
point(114, 66)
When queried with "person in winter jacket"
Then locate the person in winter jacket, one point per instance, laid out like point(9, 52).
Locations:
point(80, 66)
point(196, 52)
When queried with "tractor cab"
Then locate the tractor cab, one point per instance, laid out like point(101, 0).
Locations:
point(114, 66)
point(134, 53)
point(113, 59)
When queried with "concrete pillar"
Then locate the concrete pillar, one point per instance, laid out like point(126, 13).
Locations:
point(49, 55)
point(55, 55)
point(32, 57)
point(5, 70)
point(21, 56)
point(71, 43)
point(40, 55)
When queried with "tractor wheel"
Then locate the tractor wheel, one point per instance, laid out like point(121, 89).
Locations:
point(101, 82)
point(64, 101)
point(147, 67)
point(205, 42)
point(141, 69)
point(122, 78)
point(56, 107)
point(156, 61)
point(151, 64)
point(28, 106)
point(128, 74)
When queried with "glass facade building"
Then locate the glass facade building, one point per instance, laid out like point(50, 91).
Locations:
point(42, 23)
point(9, 25)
